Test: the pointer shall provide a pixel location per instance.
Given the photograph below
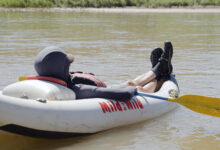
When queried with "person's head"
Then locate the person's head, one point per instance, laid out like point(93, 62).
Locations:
point(53, 62)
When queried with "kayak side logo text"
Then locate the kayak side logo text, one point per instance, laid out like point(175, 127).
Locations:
point(113, 106)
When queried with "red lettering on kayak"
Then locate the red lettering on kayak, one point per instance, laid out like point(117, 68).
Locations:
point(118, 106)
point(129, 105)
point(136, 104)
point(140, 104)
point(104, 107)
point(133, 104)
point(113, 106)
point(124, 106)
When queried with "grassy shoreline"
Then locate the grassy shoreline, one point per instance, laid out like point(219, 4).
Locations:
point(106, 3)
point(212, 9)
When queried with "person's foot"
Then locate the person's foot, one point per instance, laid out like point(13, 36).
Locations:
point(166, 59)
point(155, 56)
point(164, 68)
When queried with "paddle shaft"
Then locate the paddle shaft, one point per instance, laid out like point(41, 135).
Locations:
point(152, 96)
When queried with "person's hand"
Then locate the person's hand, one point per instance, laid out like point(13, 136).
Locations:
point(70, 57)
point(130, 83)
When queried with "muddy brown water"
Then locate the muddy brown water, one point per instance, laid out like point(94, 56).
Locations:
point(116, 47)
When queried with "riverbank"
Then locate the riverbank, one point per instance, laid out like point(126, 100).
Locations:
point(119, 10)
point(106, 3)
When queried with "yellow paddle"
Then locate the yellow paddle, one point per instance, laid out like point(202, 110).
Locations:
point(200, 104)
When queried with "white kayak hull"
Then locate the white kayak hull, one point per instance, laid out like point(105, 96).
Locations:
point(44, 118)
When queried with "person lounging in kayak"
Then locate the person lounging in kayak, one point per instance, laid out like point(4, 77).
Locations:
point(54, 62)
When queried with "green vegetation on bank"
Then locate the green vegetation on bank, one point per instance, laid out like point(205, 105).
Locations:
point(106, 3)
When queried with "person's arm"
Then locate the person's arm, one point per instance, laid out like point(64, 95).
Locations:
point(119, 94)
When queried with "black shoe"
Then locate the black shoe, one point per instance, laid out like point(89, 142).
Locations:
point(165, 59)
point(157, 69)
point(155, 56)
point(168, 51)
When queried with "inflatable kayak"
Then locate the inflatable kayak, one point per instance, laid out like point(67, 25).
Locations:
point(46, 109)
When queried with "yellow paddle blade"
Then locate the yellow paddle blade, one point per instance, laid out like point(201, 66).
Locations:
point(22, 78)
point(200, 104)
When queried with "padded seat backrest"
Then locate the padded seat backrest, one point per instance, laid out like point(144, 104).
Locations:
point(38, 89)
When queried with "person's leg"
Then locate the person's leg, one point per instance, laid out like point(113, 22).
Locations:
point(84, 91)
point(161, 65)
point(148, 88)
point(145, 78)
point(142, 80)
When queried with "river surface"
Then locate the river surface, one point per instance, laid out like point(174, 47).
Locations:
point(116, 47)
